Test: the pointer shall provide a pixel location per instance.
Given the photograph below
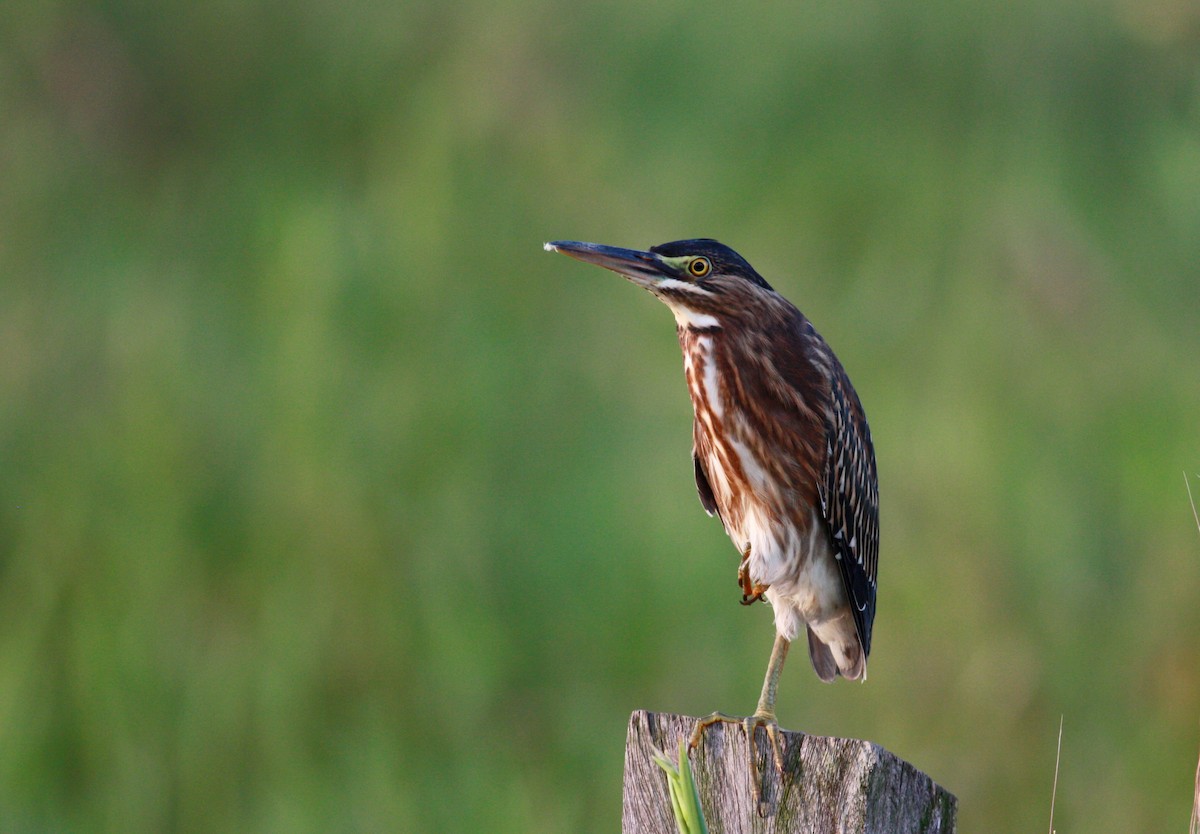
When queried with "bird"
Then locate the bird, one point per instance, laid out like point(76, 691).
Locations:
point(781, 452)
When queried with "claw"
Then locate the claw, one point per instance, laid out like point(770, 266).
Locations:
point(750, 725)
point(704, 723)
point(751, 591)
point(754, 595)
point(768, 723)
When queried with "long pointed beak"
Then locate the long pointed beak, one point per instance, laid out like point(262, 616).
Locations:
point(644, 268)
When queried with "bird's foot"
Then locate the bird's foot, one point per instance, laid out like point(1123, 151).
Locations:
point(704, 723)
point(771, 726)
point(751, 591)
point(754, 594)
point(767, 721)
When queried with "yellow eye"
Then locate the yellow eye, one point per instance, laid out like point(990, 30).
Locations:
point(699, 267)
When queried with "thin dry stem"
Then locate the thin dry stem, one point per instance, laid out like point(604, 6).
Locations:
point(1057, 759)
point(1188, 484)
point(1194, 826)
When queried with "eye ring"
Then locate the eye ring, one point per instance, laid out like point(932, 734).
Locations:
point(699, 267)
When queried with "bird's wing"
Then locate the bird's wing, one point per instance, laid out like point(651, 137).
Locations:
point(850, 500)
point(707, 499)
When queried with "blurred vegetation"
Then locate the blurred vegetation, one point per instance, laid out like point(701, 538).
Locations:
point(330, 502)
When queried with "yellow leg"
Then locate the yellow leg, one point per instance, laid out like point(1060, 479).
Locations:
point(764, 716)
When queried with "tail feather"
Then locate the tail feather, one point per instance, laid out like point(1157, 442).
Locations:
point(837, 651)
point(822, 659)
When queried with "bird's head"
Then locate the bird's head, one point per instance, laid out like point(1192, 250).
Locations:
point(704, 282)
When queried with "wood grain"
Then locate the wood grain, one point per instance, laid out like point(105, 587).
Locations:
point(829, 785)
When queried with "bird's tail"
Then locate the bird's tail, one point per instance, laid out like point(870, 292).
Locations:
point(834, 649)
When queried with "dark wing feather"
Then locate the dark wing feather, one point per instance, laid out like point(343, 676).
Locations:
point(707, 499)
point(850, 500)
point(844, 470)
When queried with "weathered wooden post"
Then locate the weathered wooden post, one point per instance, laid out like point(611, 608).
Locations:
point(829, 785)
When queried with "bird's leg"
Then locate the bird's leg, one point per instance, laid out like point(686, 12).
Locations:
point(764, 716)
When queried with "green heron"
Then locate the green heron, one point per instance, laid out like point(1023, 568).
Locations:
point(781, 450)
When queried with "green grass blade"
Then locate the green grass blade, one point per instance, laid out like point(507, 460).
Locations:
point(685, 796)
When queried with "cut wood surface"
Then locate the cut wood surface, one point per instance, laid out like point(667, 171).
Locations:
point(829, 785)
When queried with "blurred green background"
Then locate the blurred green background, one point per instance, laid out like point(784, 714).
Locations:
point(330, 502)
